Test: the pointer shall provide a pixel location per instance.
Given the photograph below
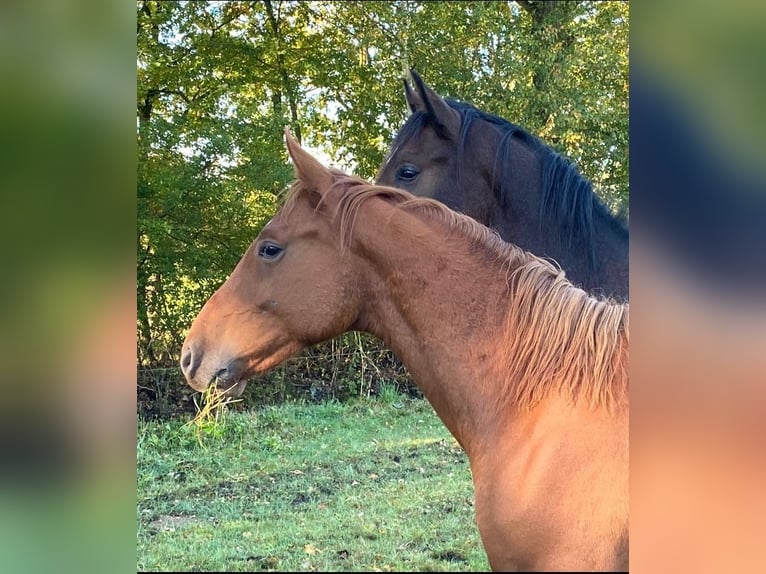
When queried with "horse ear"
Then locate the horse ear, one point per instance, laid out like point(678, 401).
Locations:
point(413, 100)
point(446, 119)
point(308, 170)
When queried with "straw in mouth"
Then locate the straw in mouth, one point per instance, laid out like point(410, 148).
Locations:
point(210, 410)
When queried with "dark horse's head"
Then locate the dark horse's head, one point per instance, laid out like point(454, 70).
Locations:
point(506, 178)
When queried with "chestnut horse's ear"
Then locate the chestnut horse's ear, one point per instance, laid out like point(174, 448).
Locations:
point(308, 170)
point(446, 120)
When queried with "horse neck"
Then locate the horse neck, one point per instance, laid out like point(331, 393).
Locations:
point(562, 341)
point(599, 266)
point(439, 308)
point(611, 274)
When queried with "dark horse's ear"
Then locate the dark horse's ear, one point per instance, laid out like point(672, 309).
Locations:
point(308, 170)
point(413, 100)
point(446, 120)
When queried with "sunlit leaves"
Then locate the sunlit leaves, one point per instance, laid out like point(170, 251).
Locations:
point(218, 81)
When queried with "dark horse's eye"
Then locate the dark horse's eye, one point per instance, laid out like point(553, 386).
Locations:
point(269, 250)
point(407, 172)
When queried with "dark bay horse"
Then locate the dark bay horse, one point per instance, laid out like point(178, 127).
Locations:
point(528, 372)
point(508, 179)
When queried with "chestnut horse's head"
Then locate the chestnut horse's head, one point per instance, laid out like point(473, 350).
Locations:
point(292, 288)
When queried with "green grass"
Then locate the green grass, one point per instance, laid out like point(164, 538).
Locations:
point(371, 485)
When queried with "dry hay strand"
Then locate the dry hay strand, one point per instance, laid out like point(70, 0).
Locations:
point(211, 412)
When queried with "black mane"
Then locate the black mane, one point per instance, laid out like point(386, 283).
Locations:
point(567, 197)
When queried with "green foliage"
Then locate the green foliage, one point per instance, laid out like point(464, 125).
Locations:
point(210, 164)
point(217, 83)
point(389, 395)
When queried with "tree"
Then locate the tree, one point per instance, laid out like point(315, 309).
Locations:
point(210, 161)
point(217, 83)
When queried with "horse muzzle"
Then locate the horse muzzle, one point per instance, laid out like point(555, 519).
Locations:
point(201, 373)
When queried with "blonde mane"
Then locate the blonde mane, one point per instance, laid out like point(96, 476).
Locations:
point(559, 338)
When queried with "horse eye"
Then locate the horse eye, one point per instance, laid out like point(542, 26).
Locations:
point(269, 250)
point(407, 172)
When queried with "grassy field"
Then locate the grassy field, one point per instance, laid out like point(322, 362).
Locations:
point(370, 485)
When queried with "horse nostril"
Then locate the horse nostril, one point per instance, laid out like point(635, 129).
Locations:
point(189, 362)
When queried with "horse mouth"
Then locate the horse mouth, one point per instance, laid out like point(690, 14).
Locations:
point(229, 382)
point(230, 388)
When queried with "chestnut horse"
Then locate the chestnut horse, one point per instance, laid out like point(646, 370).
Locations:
point(528, 372)
point(509, 180)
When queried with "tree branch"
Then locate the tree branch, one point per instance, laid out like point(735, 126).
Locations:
point(526, 6)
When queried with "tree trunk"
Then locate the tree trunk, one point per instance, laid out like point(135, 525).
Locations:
point(555, 41)
point(274, 21)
